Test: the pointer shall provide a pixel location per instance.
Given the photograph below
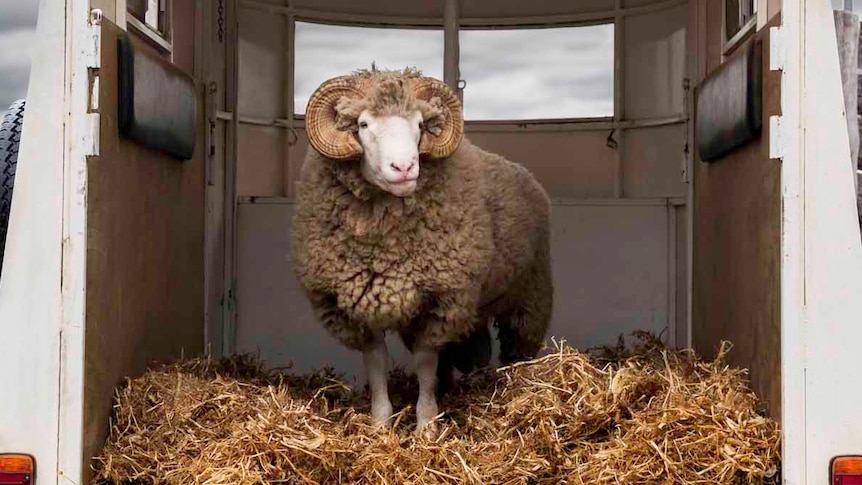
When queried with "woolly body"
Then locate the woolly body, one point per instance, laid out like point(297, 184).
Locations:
point(470, 245)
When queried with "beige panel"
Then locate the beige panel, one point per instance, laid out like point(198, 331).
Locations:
point(655, 63)
point(297, 157)
point(610, 271)
point(610, 268)
point(424, 8)
point(145, 257)
point(433, 9)
point(516, 8)
point(260, 163)
point(640, 3)
point(261, 64)
point(654, 161)
point(574, 164)
point(737, 253)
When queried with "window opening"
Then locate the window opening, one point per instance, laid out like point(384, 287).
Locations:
point(151, 19)
point(538, 73)
point(323, 51)
point(740, 20)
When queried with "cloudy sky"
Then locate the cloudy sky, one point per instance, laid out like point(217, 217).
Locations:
point(17, 37)
point(510, 74)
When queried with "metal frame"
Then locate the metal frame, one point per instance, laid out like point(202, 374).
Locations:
point(161, 40)
point(452, 23)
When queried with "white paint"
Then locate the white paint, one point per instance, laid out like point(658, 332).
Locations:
point(784, 42)
point(390, 145)
point(41, 348)
point(830, 253)
point(376, 369)
point(82, 127)
point(776, 137)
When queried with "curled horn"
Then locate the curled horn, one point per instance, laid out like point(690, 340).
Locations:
point(321, 119)
point(444, 140)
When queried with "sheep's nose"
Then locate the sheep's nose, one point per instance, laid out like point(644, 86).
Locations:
point(401, 166)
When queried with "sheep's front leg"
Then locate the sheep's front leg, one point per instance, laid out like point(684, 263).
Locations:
point(376, 369)
point(425, 360)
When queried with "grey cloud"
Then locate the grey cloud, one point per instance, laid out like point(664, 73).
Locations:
point(16, 14)
point(17, 42)
point(510, 74)
point(325, 51)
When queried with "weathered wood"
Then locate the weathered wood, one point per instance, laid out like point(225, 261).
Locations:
point(736, 259)
point(847, 32)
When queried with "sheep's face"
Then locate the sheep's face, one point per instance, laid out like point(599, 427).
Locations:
point(386, 120)
point(390, 151)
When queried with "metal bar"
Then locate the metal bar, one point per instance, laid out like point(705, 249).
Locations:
point(149, 33)
point(289, 34)
point(573, 124)
point(451, 50)
point(619, 98)
point(476, 22)
point(558, 201)
point(231, 155)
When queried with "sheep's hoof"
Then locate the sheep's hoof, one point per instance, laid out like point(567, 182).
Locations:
point(428, 431)
point(382, 416)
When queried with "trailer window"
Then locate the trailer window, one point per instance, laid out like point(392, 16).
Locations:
point(848, 5)
point(740, 20)
point(548, 73)
point(325, 51)
point(151, 19)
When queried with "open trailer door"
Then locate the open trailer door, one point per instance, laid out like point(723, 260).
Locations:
point(821, 254)
point(103, 272)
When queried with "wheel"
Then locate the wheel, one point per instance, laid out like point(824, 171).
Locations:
point(10, 136)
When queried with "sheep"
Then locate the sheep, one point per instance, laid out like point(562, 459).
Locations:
point(434, 254)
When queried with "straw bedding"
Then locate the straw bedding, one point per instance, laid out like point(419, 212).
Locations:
point(647, 416)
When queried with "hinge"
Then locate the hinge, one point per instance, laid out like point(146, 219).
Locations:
point(93, 59)
point(210, 135)
point(777, 48)
point(776, 137)
point(686, 103)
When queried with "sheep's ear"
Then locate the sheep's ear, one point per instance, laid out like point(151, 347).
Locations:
point(443, 117)
point(326, 125)
point(434, 117)
point(347, 113)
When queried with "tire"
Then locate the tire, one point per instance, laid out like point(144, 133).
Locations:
point(10, 137)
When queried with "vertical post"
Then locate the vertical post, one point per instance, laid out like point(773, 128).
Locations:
point(451, 52)
point(231, 155)
point(619, 96)
point(289, 132)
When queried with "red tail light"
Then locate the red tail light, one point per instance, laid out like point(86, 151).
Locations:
point(16, 469)
point(846, 470)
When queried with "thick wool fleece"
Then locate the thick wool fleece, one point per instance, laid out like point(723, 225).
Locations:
point(471, 244)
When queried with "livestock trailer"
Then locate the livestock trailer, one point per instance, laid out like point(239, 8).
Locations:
point(695, 151)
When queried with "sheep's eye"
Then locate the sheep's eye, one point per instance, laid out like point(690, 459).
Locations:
point(363, 124)
point(422, 125)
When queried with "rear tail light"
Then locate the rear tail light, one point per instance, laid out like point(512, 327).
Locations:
point(846, 470)
point(16, 469)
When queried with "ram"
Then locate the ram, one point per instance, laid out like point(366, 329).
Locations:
point(402, 225)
